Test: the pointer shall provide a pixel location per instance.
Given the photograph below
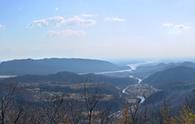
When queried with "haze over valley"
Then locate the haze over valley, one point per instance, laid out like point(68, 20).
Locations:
point(138, 83)
point(97, 62)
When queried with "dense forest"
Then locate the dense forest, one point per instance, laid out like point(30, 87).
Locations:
point(90, 110)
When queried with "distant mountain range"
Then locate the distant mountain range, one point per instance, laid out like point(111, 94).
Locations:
point(172, 77)
point(148, 69)
point(175, 85)
point(68, 78)
point(54, 65)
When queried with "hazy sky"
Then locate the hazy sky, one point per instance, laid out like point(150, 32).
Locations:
point(97, 28)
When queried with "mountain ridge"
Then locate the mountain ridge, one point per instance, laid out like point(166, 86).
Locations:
point(172, 75)
point(54, 65)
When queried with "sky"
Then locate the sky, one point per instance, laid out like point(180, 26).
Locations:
point(106, 29)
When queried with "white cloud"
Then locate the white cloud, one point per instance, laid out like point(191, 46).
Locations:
point(82, 20)
point(2, 26)
point(66, 33)
point(40, 23)
point(176, 28)
point(115, 19)
point(56, 8)
point(168, 25)
point(88, 15)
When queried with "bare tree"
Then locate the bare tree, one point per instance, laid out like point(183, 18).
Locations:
point(91, 102)
point(74, 111)
point(55, 110)
point(104, 115)
point(133, 111)
point(10, 112)
point(166, 114)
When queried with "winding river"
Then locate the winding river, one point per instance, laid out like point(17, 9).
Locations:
point(133, 67)
point(7, 76)
point(124, 91)
point(139, 80)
